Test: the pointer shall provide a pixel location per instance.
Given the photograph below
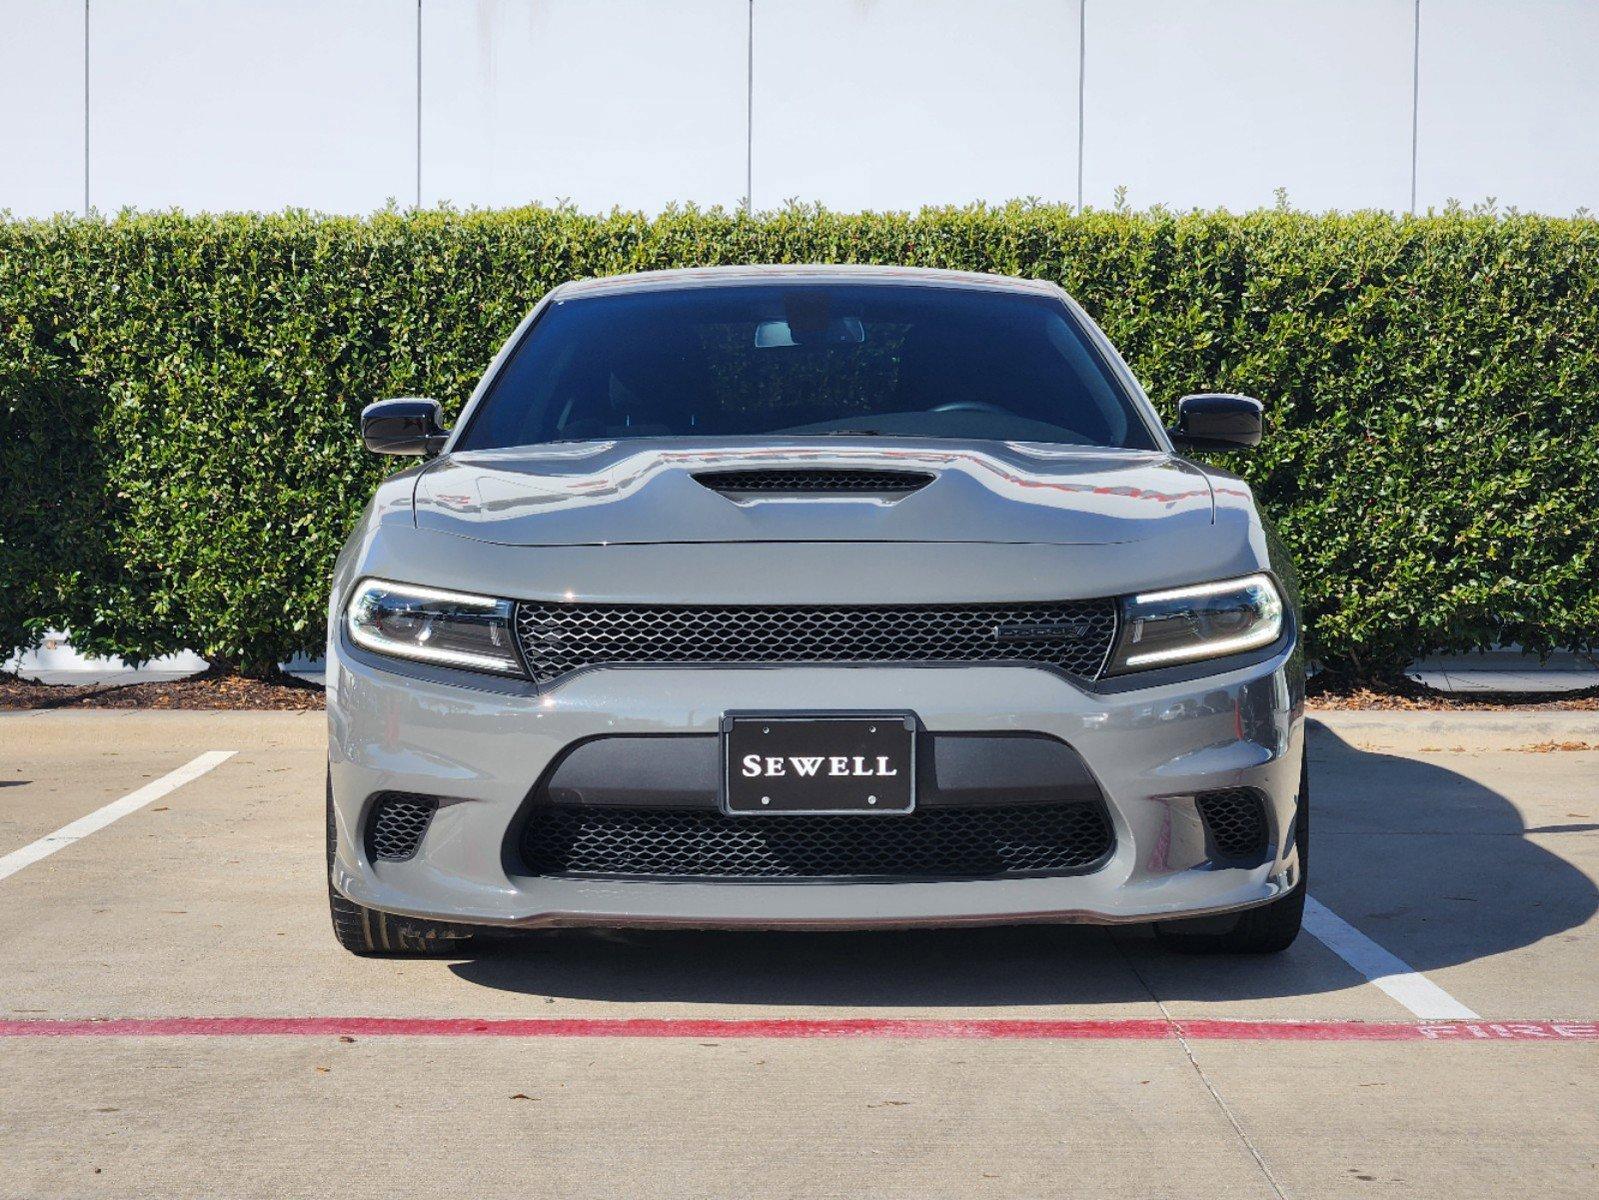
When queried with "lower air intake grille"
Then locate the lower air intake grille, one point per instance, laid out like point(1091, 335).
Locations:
point(1236, 822)
point(1072, 635)
point(395, 827)
point(814, 480)
point(943, 843)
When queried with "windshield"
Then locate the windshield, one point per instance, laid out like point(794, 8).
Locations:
point(805, 359)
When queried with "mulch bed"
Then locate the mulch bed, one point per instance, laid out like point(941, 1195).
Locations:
point(296, 695)
point(196, 692)
point(1407, 695)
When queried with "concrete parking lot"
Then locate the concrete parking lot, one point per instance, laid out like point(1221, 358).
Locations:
point(176, 1020)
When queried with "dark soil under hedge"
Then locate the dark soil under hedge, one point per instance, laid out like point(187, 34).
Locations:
point(1409, 695)
point(196, 692)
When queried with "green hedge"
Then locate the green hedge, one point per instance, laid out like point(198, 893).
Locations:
point(180, 394)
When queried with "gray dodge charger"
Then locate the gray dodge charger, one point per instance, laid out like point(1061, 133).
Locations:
point(813, 597)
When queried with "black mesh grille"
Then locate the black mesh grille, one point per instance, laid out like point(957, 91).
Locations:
point(944, 843)
point(1071, 635)
point(817, 479)
point(395, 827)
point(1236, 819)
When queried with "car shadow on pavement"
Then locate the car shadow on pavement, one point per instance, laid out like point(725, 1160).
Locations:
point(1431, 864)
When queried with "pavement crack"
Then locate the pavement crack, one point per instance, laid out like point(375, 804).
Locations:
point(1226, 1109)
point(1188, 1052)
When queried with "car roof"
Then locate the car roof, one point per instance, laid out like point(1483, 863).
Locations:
point(697, 277)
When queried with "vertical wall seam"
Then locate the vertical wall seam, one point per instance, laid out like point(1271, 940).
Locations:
point(85, 107)
point(418, 103)
point(1415, 103)
point(749, 110)
point(1082, 70)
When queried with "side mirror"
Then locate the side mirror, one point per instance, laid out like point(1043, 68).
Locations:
point(411, 425)
point(1218, 421)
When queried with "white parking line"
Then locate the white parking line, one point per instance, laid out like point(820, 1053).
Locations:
point(1393, 975)
point(11, 863)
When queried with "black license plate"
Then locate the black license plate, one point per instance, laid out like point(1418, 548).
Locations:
point(783, 763)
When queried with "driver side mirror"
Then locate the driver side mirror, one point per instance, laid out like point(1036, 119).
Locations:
point(409, 425)
point(1218, 421)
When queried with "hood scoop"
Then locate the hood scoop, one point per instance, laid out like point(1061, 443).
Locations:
point(812, 481)
point(666, 492)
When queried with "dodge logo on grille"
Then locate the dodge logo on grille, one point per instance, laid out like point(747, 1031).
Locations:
point(1040, 631)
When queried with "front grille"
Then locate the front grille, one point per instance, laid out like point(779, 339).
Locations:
point(940, 843)
point(395, 825)
point(814, 479)
point(1072, 636)
point(1236, 821)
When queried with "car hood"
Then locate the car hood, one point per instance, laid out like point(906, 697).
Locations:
point(645, 492)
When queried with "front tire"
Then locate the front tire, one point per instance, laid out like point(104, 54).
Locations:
point(371, 933)
point(1271, 928)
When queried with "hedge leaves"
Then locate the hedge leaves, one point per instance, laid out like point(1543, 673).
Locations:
point(180, 394)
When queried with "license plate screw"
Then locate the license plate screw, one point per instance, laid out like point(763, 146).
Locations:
point(766, 799)
point(871, 799)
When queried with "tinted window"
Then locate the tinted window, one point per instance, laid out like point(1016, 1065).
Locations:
point(800, 359)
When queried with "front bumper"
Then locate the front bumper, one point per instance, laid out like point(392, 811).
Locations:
point(1150, 749)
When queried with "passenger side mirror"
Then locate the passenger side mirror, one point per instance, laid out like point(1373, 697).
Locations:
point(409, 425)
point(1218, 421)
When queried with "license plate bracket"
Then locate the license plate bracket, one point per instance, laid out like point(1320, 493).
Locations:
point(818, 763)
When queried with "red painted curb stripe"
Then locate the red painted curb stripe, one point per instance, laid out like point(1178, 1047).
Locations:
point(588, 1027)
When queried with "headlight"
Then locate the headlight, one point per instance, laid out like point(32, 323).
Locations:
point(429, 625)
point(1207, 620)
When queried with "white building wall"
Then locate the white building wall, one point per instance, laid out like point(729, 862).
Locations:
point(230, 104)
point(1195, 104)
point(899, 103)
point(259, 104)
point(611, 102)
point(41, 106)
point(1510, 104)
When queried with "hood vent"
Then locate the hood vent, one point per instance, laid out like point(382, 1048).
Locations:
point(814, 481)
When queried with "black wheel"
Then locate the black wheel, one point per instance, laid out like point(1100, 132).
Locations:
point(368, 932)
point(1269, 929)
